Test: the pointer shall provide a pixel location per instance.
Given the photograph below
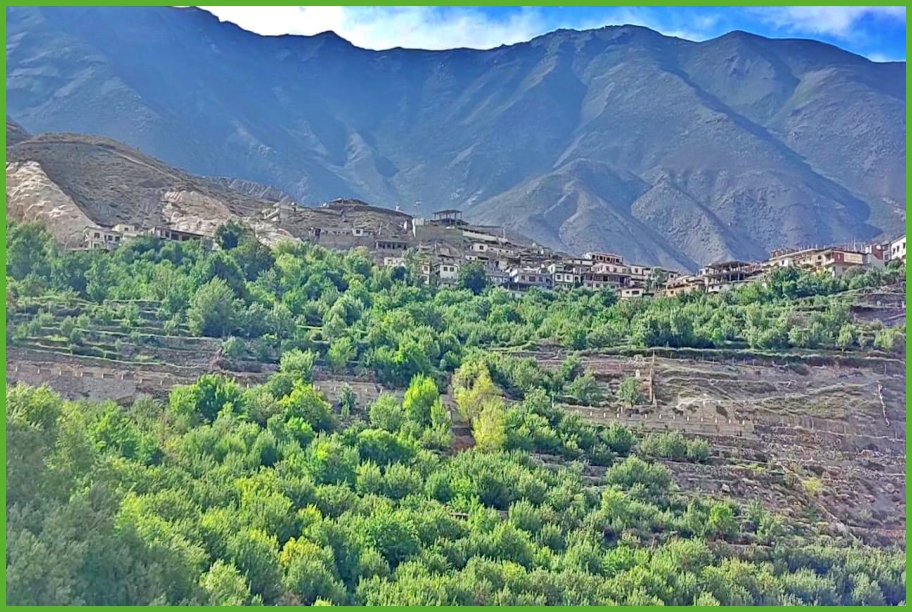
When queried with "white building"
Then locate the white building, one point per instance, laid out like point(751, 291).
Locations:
point(897, 249)
point(632, 292)
point(447, 271)
point(101, 238)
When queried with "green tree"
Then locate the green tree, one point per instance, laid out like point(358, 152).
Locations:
point(225, 586)
point(306, 403)
point(419, 400)
point(228, 235)
point(298, 364)
point(472, 276)
point(212, 310)
point(348, 400)
point(386, 413)
point(309, 573)
point(488, 428)
point(629, 391)
point(206, 397)
point(256, 555)
point(586, 390)
point(341, 352)
point(29, 250)
point(473, 388)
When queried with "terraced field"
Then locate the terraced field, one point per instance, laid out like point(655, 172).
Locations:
point(820, 436)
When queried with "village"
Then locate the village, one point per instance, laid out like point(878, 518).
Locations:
point(439, 247)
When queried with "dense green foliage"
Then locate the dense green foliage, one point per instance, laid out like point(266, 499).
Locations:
point(231, 496)
point(226, 496)
point(358, 316)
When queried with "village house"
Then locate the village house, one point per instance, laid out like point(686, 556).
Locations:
point(839, 261)
point(591, 280)
point(639, 275)
point(897, 249)
point(833, 260)
point(128, 230)
point(564, 275)
point(498, 277)
point(579, 264)
point(608, 258)
point(450, 218)
point(612, 274)
point(795, 258)
point(388, 244)
point(684, 284)
point(425, 272)
point(166, 233)
point(101, 238)
point(525, 278)
point(725, 275)
point(447, 270)
point(875, 255)
point(632, 292)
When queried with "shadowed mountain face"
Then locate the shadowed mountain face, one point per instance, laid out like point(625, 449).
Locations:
point(620, 139)
point(15, 133)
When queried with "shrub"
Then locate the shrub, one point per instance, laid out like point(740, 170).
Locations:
point(298, 364)
point(629, 391)
point(234, 348)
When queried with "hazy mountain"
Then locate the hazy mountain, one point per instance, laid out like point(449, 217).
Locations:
point(622, 139)
point(15, 133)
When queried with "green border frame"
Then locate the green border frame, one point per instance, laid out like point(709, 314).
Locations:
point(413, 3)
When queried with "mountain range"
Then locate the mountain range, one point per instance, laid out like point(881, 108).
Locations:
point(667, 151)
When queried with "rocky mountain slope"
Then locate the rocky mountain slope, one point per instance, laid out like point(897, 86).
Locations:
point(72, 181)
point(15, 133)
point(668, 151)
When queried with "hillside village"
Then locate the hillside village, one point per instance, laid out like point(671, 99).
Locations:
point(440, 246)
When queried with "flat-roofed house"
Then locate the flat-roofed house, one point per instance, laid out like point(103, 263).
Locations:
point(632, 292)
point(101, 238)
point(564, 275)
point(528, 277)
point(838, 261)
point(898, 249)
point(684, 284)
point(725, 275)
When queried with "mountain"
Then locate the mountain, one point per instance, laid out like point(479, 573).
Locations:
point(73, 181)
point(667, 151)
point(15, 133)
point(253, 189)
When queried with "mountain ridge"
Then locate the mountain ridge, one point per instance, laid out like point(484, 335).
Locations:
point(739, 144)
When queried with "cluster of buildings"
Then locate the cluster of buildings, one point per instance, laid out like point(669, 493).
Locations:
point(518, 269)
point(111, 237)
point(832, 260)
point(515, 265)
point(439, 247)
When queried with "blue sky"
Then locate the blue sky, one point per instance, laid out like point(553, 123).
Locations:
point(878, 33)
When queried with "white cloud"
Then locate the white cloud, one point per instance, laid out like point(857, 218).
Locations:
point(417, 27)
point(680, 25)
point(277, 20)
point(425, 27)
point(883, 58)
point(837, 21)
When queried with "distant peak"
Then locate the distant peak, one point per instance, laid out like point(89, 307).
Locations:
point(607, 31)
